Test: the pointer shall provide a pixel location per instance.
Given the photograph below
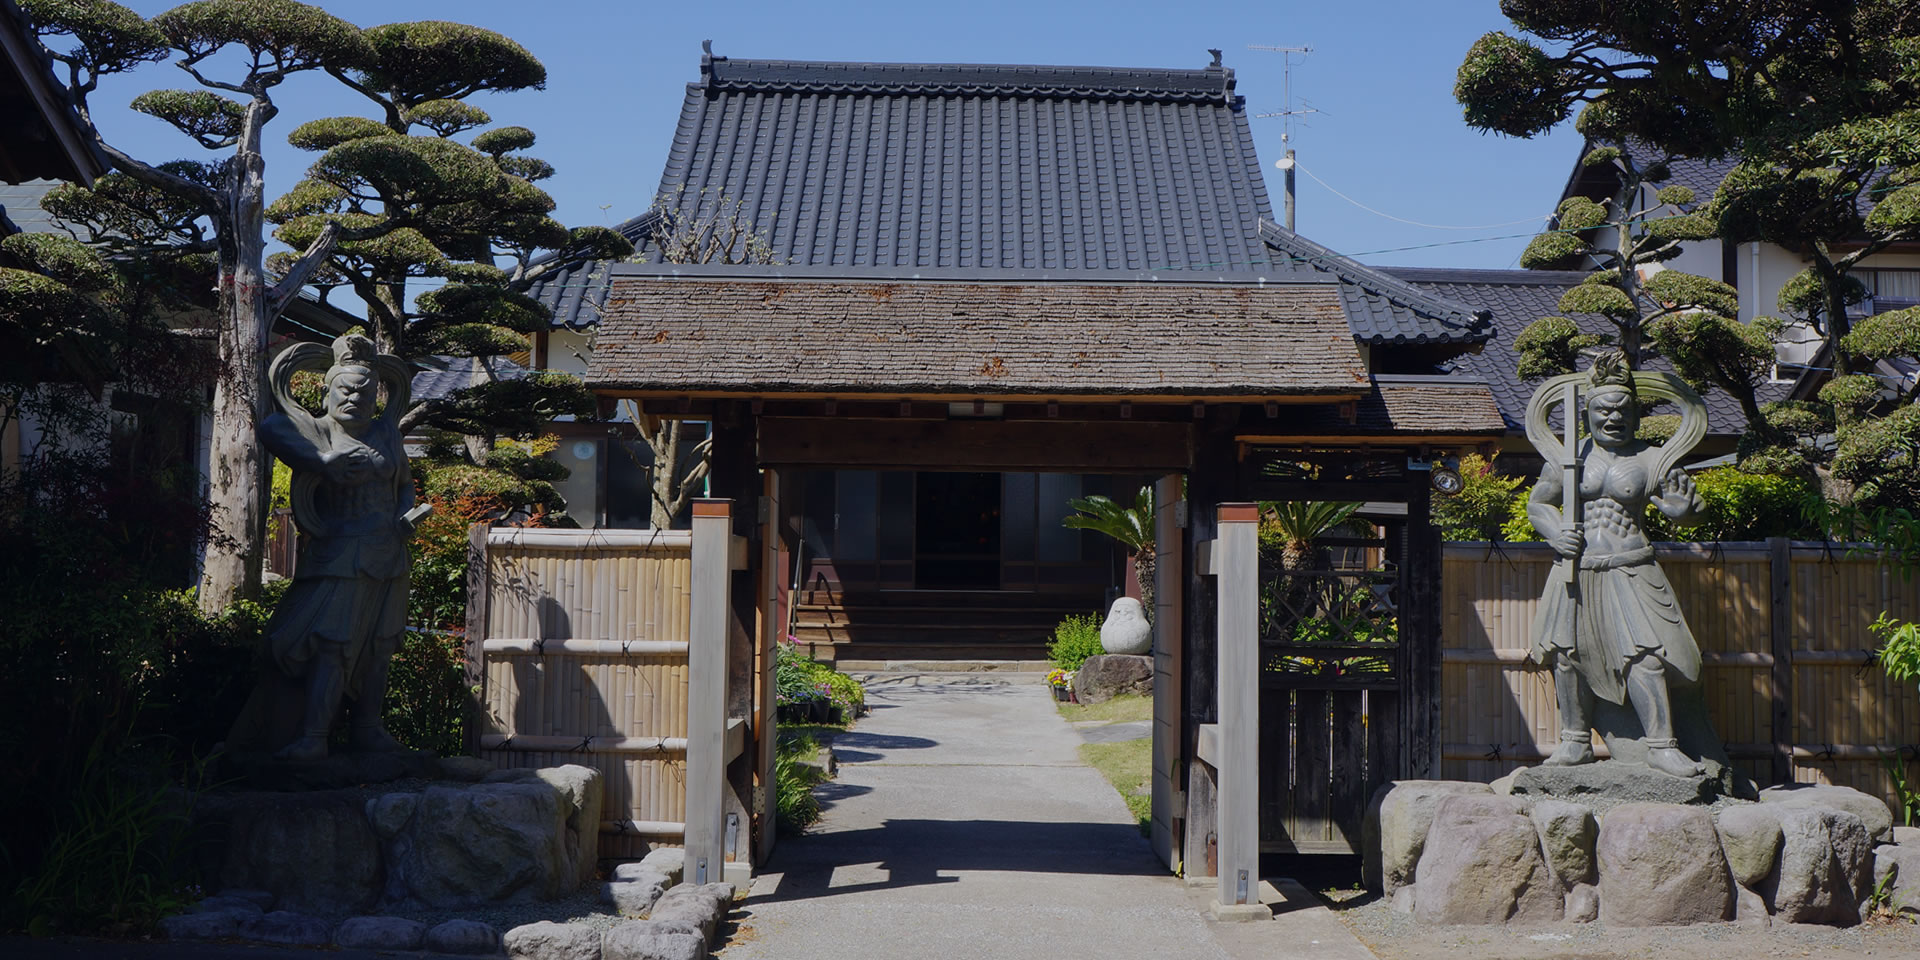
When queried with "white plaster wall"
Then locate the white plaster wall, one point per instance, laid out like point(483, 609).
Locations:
point(569, 350)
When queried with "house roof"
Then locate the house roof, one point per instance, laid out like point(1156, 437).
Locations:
point(41, 136)
point(714, 332)
point(1702, 176)
point(1452, 406)
point(1519, 297)
point(459, 374)
point(1005, 171)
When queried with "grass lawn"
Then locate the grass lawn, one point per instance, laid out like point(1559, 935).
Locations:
point(1128, 706)
point(1127, 765)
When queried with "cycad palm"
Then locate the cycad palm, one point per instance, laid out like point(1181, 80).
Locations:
point(1131, 526)
point(1300, 522)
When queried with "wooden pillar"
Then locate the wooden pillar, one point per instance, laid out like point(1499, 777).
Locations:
point(734, 474)
point(1169, 579)
point(707, 671)
point(479, 599)
point(1780, 553)
point(1420, 620)
point(1236, 564)
point(1210, 482)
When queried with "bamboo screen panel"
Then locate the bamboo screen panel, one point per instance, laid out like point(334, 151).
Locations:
point(623, 709)
point(1841, 715)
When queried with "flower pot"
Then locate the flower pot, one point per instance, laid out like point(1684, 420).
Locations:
point(1062, 694)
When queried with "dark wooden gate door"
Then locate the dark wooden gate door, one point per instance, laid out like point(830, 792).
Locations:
point(1349, 638)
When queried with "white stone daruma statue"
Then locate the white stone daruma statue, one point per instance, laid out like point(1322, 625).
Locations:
point(1126, 630)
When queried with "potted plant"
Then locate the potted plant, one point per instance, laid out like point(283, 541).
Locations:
point(1061, 681)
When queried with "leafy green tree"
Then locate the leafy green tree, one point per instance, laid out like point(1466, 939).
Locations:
point(458, 210)
point(1815, 99)
point(274, 40)
point(1131, 527)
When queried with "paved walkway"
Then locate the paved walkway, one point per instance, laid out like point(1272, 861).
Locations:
point(963, 824)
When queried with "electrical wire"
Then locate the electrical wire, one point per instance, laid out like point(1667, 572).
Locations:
point(1416, 223)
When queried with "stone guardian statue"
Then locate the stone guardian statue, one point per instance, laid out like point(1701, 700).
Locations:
point(331, 637)
point(1624, 662)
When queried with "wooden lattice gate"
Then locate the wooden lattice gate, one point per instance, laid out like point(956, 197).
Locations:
point(1332, 671)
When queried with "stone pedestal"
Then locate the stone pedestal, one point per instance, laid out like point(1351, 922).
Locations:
point(1107, 676)
point(523, 835)
point(1608, 784)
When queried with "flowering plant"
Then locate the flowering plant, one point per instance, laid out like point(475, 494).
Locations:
point(1060, 678)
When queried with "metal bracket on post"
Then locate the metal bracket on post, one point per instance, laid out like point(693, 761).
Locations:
point(707, 687)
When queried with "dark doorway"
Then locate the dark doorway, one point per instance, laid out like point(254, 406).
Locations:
point(958, 524)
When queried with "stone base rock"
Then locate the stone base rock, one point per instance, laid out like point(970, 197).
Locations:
point(1107, 676)
point(553, 941)
point(529, 835)
point(1395, 830)
point(1750, 836)
point(380, 933)
point(1826, 867)
point(287, 927)
point(1609, 783)
point(1871, 811)
point(641, 940)
point(635, 896)
point(465, 937)
point(1482, 864)
point(1661, 864)
point(1896, 869)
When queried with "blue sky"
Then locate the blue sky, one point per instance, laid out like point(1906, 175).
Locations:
point(1389, 134)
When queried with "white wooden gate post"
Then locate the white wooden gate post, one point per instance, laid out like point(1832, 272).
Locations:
point(707, 690)
point(1236, 561)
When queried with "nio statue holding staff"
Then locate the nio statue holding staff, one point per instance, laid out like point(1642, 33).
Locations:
point(1624, 662)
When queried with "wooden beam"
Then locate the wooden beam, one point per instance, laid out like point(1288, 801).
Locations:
point(895, 396)
point(479, 595)
point(1780, 678)
point(977, 445)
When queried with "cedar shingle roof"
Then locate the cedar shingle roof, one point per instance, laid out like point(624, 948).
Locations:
point(1001, 170)
point(726, 333)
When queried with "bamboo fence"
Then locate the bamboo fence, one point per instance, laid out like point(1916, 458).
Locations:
point(1789, 675)
point(582, 648)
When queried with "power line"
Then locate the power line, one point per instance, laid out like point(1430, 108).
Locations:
point(1430, 226)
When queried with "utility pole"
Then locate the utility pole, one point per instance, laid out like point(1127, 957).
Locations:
point(1287, 114)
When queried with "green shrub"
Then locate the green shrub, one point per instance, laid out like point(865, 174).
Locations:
point(1743, 506)
point(798, 678)
point(794, 806)
point(428, 701)
point(1482, 507)
point(1074, 640)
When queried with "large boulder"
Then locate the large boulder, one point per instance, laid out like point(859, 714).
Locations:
point(1107, 676)
point(1395, 830)
point(1870, 809)
point(315, 852)
point(1750, 838)
point(1126, 630)
point(485, 842)
point(1567, 834)
point(582, 787)
point(1826, 867)
point(1482, 864)
point(1661, 864)
point(1896, 869)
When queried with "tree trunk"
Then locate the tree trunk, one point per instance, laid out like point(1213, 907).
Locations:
point(664, 441)
point(1143, 564)
point(237, 469)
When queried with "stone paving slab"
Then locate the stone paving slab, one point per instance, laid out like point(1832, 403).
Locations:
point(963, 824)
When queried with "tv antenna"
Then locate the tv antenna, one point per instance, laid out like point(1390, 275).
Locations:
point(1286, 163)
